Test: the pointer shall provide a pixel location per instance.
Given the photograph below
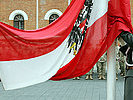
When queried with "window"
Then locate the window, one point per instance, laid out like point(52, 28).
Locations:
point(19, 22)
point(52, 18)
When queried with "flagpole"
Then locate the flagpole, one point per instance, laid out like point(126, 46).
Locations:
point(69, 2)
point(36, 14)
point(111, 73)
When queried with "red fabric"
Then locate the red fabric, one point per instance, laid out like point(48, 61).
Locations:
point(98, 39)
point(20, 44)
point(83, 23)
point(89, 53)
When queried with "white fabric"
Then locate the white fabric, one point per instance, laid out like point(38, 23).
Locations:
point(22, 73)
point(99, 8)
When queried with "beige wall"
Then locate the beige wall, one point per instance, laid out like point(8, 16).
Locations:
point(44, 7)
point(8, 6)
point(29, 7)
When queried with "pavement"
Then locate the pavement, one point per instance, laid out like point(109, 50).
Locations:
point(65, 90)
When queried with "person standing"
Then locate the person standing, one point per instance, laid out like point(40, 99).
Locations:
point(101, 65)
point(121, 58)
point(127, 50)
point(76, 78)
point(122, 65)
point(97, 70)
point(89, 75)
point(117, 62)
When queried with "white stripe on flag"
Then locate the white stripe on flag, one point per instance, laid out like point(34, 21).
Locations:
point(22, 73)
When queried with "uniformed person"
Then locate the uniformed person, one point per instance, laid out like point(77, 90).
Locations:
point(101, 64)
point(127, 50)
point(97, 70)
point(117, 60)
point(122, 64)
point(121, 59)
point(89, 75)
point(76, 78)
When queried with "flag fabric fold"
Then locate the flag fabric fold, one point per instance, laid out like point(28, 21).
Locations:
point(108, 20)
point(31, 57)
point(15, 42)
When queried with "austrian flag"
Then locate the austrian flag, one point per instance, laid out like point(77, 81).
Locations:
point(67, 48)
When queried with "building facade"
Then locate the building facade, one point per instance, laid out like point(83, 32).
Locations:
point(22, 13)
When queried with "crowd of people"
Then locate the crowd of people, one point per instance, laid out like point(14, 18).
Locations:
point(124, 62)
point(102, 63)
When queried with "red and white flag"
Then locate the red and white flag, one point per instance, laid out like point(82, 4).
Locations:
point(31, 57)
point(108, 20)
